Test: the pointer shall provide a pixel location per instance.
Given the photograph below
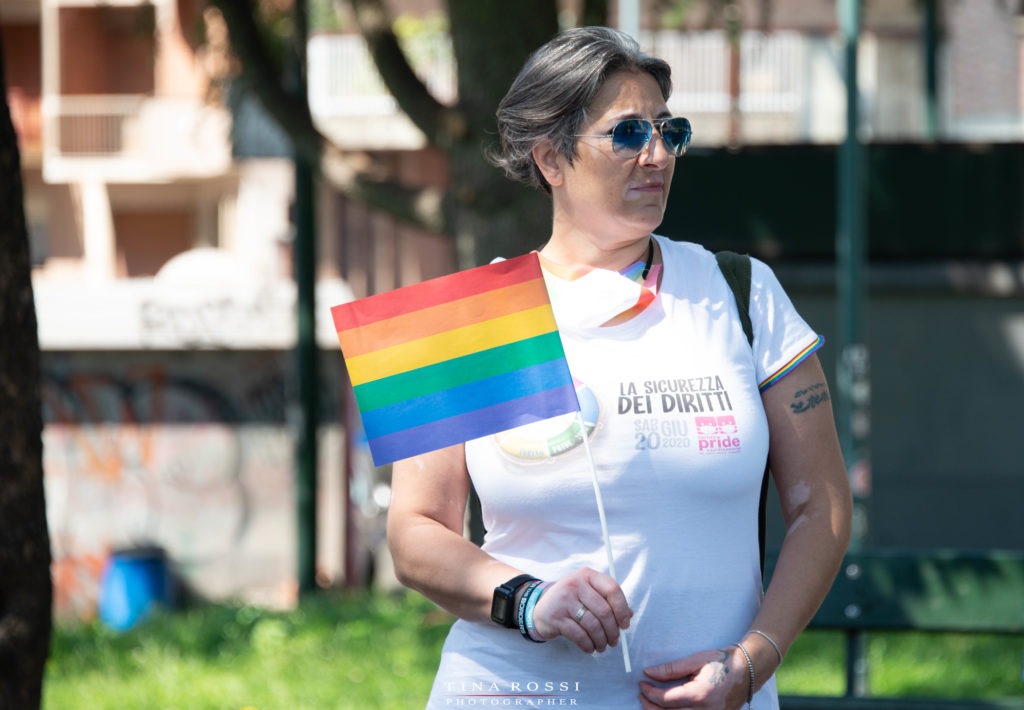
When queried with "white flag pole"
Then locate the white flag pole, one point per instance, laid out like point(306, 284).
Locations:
point(604, 527)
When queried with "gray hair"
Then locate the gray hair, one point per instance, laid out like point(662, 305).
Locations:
point(555, 88)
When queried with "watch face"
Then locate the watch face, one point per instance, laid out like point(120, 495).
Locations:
point(504, 596)
point(500, 608)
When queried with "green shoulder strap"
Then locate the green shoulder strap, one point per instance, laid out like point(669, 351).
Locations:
point(736, 270)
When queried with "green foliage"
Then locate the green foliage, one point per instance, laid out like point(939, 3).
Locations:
point(424, 40)
point(324, 17)
point(410, 27)
point(674, 13)
point(276, 24)
point(917, 664)
point(381, 651)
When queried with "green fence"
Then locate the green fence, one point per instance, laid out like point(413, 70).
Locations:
point(928, 590)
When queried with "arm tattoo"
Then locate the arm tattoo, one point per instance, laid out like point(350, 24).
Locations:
point(809, 398)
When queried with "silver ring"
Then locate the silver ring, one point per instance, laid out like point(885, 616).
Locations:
point(579, 613)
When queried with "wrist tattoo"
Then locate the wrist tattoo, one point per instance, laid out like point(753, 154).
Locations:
point(720, 668)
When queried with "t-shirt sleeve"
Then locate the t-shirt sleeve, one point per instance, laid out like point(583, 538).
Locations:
point(782, 339)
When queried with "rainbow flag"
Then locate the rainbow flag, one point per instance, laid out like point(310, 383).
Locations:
point(455, 358)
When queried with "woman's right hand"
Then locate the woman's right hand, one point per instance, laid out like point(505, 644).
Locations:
point(558, 613)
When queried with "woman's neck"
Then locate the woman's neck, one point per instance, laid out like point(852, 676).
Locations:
point(576, 249)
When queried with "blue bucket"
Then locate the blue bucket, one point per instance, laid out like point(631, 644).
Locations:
point(132, 583)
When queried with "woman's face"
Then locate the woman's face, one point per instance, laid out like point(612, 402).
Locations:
point(616, 200)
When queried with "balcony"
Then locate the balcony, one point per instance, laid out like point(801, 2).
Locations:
point(789, 89)
point(350, 102)
point(133, 138)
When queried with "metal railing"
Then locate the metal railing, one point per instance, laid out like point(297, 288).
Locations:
point(128, 137)
point(344, 82)
point(94, 125)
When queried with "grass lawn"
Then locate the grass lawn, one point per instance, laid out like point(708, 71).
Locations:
point(909, 664)
point(380, 652)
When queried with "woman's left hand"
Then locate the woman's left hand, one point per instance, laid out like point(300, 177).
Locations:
point(711, 680)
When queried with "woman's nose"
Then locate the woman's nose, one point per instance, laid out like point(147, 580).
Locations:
point(656, 152)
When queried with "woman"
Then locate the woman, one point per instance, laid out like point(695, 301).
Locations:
point(669, 387)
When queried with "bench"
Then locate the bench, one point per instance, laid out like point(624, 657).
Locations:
point(922, 590)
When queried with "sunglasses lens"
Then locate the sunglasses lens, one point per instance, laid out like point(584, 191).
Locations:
point(676, 132)
point(629, 137)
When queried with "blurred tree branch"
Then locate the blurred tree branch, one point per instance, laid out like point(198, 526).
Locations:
point(486, 214)
point(441, 124)
point(350, 172)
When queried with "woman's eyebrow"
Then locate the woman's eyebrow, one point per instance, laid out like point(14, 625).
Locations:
point(664, 113)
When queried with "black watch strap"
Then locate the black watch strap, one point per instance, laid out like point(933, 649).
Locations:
point(503, 603)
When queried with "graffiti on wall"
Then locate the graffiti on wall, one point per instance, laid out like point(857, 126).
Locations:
point(194, 458)
point(211, 322)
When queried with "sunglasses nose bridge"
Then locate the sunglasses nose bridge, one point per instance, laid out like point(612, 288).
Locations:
point(649, 146)
point(628, 132)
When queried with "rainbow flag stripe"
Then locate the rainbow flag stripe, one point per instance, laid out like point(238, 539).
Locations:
point(788, 367)
point(454, 358)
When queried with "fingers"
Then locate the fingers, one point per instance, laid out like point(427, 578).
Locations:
point(613, 595)
point(713, 678)
point(647, 703)
point(599, 621)
point(680, 671)
point(675, 670)
point(654, 698)
point(675, 696)
point(586, 607)
point(585, 634)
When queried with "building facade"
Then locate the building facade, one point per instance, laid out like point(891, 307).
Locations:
point(161, 246)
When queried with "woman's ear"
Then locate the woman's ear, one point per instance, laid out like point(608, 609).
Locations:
point(550, 162)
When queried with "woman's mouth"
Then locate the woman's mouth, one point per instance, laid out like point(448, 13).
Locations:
point(649, 187)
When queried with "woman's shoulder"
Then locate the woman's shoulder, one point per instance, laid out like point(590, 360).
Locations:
point(686, 258)
point(691, 255)
point(692, 262)
point(680, 248)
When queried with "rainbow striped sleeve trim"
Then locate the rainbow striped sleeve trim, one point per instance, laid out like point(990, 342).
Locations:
point(791, 365)
point(455, 358)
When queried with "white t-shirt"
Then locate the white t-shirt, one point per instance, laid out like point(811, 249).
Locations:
point(679, 436)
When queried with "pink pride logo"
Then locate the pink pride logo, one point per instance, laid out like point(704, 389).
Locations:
point(717, 435)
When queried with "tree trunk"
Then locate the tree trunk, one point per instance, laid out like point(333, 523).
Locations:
point(487, 214)
point(25, 588)
point(595, 12)
point(491, 215)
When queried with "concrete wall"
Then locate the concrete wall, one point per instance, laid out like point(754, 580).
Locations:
point(188, 450)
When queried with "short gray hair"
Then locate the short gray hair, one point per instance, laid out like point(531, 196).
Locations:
point(554, 90)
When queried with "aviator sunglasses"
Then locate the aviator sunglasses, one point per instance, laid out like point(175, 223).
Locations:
point(631, 136)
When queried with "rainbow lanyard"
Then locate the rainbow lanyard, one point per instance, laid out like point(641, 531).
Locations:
point(641, 272)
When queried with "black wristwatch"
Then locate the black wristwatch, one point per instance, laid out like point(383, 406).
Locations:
point(503, 606)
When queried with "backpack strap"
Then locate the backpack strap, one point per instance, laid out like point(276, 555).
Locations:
point(736, 270)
